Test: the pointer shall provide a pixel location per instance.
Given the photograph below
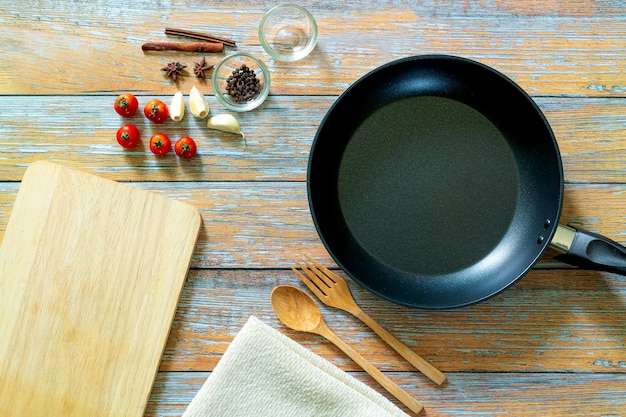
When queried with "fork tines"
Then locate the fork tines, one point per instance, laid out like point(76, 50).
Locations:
point(331, 289)
point(314, 279)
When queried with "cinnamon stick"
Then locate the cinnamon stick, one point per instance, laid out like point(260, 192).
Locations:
point(183, 46)
point(199, 35)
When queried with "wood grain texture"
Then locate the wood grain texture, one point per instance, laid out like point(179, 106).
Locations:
point(551, 345)
point(85, 305)
point(466, 395)
point(91, 48)
point(80, 131)
point(550, 321)
point(268, 224)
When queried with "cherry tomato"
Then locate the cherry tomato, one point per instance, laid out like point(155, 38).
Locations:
point(185, 147)
point(160, 144)
point(128, 136)
point(156, 111)
point(126, 105)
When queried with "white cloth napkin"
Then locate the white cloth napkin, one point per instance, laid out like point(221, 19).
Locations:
point(263, 373)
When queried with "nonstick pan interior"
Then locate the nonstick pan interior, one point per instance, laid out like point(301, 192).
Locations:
point(435, 182)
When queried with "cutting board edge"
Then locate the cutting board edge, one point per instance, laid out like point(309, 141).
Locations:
point(198, 228)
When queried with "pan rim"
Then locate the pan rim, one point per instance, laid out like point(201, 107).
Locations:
point(546, 235)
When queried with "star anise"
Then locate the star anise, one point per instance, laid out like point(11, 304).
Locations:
point(200, 67)
point(174, 69)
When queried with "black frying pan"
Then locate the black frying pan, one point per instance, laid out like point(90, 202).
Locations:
point(436, 182)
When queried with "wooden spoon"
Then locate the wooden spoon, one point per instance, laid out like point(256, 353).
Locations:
point(297, 310)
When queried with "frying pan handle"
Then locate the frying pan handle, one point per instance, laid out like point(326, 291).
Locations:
point(589, 250)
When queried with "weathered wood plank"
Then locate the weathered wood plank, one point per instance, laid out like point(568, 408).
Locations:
point(90, 47)
point(268, 224)
point(80, 132)
point(465, 395)
point(550, 321)
point(552, 345)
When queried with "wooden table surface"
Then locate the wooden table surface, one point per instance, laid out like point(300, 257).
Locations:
point(552, 345)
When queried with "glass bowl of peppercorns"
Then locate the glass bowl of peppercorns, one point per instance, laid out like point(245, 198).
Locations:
point(241, 82)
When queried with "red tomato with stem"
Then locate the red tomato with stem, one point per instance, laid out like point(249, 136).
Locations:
point(160, 144)
point(156, 111)
point(128, 136)
point(126, 105)
point(185, 147)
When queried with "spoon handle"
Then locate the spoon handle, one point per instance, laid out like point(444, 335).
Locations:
point(381, 378)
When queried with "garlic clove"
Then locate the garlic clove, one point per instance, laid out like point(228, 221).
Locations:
point(197, 103)
point(225, 123)
point(177, 108)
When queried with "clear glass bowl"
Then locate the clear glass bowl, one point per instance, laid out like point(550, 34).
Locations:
point(288, 32)
point(225, 69)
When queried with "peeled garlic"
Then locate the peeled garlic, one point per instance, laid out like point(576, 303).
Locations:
point(197, 104)
point(177, 108)
point(226, 123)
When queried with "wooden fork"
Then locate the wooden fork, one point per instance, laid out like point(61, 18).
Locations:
point(333, 291)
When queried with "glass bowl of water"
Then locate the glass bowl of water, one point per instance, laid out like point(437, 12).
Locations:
point(288, 32)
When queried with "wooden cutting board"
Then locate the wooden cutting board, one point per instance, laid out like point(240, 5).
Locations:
point(90, 275)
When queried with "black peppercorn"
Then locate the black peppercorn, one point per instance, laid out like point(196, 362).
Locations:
point(243, 85)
